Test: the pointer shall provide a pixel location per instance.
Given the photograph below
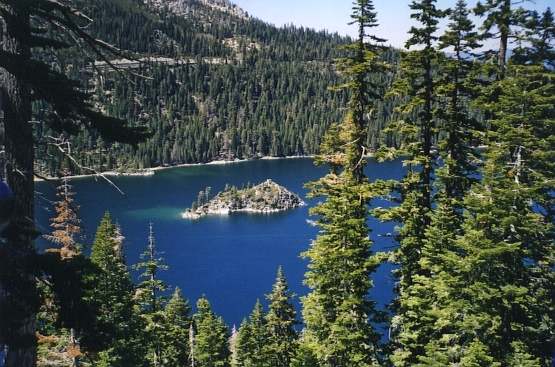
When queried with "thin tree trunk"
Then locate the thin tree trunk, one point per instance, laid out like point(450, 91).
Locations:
point(17, 284)
point(502, 57)
point(192, 344)
point(75, 344)
point(504, 30)
point(427, 135)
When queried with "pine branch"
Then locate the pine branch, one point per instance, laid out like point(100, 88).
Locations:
point(64, 146)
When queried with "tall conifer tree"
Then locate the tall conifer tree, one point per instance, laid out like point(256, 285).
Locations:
point(280, 324)
point(209, 339)
point(509, 301)
point(417, 83)
point(457, 87)
point(337, 311)
point(149, 298)
point(28, 26)
point(174, 339)
point(496, 281)
point(117, 335)
point(252, 340)
point(501, 22)
point(429, 295)
point(66, 224)
point(538, 44)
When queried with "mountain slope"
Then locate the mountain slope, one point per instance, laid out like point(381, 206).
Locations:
point(218, 84)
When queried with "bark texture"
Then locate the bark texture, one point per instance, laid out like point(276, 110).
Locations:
point(17, 285)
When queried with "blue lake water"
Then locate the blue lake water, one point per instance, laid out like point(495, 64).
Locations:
point(230, 259)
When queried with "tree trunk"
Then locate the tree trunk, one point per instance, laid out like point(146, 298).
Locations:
point(504, 30)
point(75, 345)
point(17, 284)
point(502, 57)
point(427, 130)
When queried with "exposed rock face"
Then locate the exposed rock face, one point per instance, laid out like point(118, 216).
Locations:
point(184, 7)
point(266, 197)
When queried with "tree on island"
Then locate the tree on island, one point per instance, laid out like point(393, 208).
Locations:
point(203, 197)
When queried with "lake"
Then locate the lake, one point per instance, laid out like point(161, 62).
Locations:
point(230, 259)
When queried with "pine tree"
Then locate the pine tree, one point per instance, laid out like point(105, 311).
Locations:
point(66, 224)
point(280, 324)
point(233, 347)
point(148, 297)
point(501, 22)
point(512, 207)
point(337, 311)
point(305, 356)
point(426, 300)
point(457, 86)
point(364, 59)
point(242, 344)
point(417, 83)
point(536, 44)
point(210, 337)
point(496, 280)
point(26, 79)
point(117, 335)
point(174, 339)
point(253, 339)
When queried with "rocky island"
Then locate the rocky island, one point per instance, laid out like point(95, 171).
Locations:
point(267, 197)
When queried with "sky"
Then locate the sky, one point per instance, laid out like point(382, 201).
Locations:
point(333, 15)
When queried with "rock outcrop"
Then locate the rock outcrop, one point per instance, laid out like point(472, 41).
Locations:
point(267, 197)
point(185, 7)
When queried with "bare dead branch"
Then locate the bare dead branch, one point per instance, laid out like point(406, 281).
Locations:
point(64, 146)
point(44, 178)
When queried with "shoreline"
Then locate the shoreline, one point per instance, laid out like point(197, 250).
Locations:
point(265, 198)
point(188, 214)
point(145, 172)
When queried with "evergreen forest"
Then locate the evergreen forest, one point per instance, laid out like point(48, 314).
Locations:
point(209, 84)
point(468, 106)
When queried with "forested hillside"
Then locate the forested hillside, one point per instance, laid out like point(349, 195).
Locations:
point(214, 84)
point(474, 257)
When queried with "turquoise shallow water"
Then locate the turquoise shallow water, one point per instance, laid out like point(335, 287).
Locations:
point(232, 260)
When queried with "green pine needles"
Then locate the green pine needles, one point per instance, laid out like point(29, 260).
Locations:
point(337, 312)
point(474, 212)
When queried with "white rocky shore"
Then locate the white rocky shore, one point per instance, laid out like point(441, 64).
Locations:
point(267, 197)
